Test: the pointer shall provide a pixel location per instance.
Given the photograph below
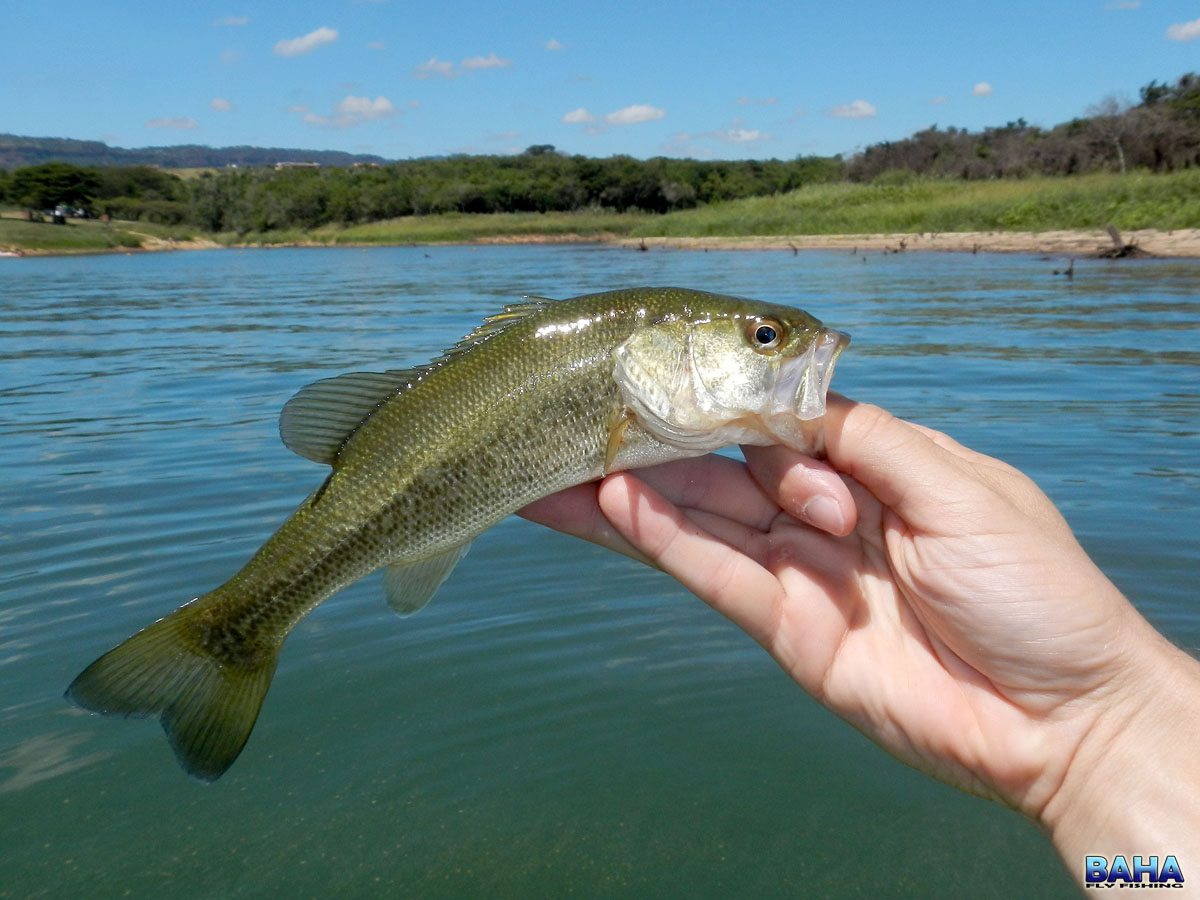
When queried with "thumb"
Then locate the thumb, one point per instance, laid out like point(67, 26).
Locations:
point(905, 467)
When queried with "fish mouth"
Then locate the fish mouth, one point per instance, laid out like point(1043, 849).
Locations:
point(801, 391)
point(815, 370)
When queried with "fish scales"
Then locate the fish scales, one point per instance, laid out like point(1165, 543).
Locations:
point(546, 396)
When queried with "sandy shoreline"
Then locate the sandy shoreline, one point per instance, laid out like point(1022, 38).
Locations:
point(1179, 243)
point(1184, 243)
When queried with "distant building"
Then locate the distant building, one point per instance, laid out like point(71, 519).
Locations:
point(297, 165)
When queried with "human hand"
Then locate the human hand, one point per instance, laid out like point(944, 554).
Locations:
point(930, 595)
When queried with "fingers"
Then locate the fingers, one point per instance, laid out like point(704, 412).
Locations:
point(922, 475)
point(724, 575)
point(716, 488)
point(805, 488)
point(576, 511)
point(715, 484)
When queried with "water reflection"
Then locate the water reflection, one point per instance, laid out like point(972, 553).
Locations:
point(44, 756)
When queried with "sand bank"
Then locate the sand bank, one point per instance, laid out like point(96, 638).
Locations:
point(1178, 243)
point(1182, 242)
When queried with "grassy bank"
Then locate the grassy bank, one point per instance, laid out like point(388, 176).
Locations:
point(81, 235)
point(896, 203)
point(900, 203)
point(457, 228)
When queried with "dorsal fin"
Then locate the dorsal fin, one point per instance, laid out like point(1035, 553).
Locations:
point(316, 422)
point(320, 418)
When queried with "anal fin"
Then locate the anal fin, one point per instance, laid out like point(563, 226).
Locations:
point(408, 588)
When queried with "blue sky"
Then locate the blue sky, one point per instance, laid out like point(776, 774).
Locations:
point(702, 79)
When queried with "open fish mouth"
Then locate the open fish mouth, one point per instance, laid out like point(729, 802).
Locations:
point(800, 393)
point(828, 347)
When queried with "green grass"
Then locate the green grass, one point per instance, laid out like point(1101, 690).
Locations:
point(18, 234)
point(894, 203)
point(81, 236)
point(454, 228)
point(910, 204)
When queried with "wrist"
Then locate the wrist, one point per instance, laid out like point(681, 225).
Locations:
point(1132, 787)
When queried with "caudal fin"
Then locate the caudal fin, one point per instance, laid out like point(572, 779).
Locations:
point(207, 706)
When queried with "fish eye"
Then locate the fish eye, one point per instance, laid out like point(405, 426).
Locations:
point(766, 334)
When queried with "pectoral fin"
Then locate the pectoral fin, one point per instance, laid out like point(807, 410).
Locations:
point(616, 433)
point(408, 588)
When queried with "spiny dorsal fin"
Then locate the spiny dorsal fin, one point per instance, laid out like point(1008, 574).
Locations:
point(316, 422)
point(493, 325)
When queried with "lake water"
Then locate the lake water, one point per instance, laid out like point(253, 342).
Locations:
point(559, 720)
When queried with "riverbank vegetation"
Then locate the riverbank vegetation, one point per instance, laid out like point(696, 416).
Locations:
point(1129, 165)
point(888, 205)
point(899, 203)
point(85, 235)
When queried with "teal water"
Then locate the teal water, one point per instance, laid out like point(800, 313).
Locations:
point(559, 720)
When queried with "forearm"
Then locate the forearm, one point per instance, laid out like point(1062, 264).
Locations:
point(1133, 786)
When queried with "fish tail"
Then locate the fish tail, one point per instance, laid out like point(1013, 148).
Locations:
point(207, 704)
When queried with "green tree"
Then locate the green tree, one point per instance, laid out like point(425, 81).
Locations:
point(54, 184)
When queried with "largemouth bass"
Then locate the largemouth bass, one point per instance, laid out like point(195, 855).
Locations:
point(545, 395)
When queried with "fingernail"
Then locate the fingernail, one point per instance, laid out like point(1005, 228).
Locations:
point(824, 513)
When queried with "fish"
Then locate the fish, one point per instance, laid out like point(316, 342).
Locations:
point(545, 395)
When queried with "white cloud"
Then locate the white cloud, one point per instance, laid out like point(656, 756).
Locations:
point(376, 45)
point(579, 115)
point(856, 109)
point(220, 104)
point(231, 20)
point(378, 108)
point(632, 115)
point(351, 111)
point(938, 100)
point(1184, 31)
point(739, 135)
point(491, 61)
point(983, 89)
point(307, 44)
point(751, 101)
point(684, 142)
point(553, 44)
point(297, 109)
point(184, 122)
point(434, 66)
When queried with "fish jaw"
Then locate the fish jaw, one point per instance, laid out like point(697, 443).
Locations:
point(794, 416)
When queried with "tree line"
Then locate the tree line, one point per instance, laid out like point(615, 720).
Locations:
point(1160, 133)
point(539, 180)
point(17, 151)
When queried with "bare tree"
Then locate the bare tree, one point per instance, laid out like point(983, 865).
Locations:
point(1110, 124)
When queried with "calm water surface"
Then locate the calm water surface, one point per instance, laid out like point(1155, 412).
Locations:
point(559, 720)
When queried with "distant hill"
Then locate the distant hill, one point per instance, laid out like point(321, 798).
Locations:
point(17, 151)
